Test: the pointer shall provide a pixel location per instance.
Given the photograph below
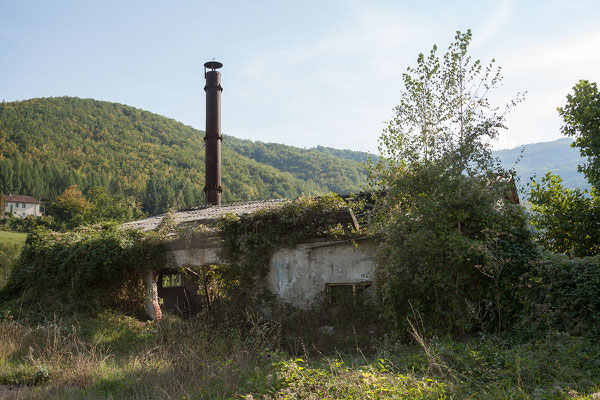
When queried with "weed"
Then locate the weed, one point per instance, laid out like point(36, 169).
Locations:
point(117, 357)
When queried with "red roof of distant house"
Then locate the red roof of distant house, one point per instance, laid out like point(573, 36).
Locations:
point(21, 199)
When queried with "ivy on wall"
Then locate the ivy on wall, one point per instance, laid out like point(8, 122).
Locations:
point(85, 269)
point(250, 241)
point(102, 266)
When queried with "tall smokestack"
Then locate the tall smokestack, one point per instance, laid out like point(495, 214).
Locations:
point(213, 136)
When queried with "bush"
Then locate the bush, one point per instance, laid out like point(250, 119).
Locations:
point(86, 269)
point(562, 294)
point(27, 224)
point(452, 251)
point(9, 252)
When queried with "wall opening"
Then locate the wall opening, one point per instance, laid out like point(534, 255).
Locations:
point(347, 294)
point(171, 281)
point(187, 290)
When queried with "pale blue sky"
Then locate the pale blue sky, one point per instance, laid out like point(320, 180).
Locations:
point(301, 73)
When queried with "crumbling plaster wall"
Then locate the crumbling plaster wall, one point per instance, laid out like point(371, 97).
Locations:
point(298, 275)
point(194, 257)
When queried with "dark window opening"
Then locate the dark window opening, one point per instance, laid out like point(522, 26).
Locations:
point(344, 294)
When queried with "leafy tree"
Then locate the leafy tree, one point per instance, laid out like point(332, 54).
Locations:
point(568, 221)
point(444, 115)
point(581, 115)
point(71, 208)
point(452, 245)
point(107, 207)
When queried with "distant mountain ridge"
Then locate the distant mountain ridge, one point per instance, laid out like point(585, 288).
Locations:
point(557, 157)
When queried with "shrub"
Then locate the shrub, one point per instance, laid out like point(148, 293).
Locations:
point(27, 224)
point(451, 251)
point(87, 268)
point(9, 252)
point(562, 294)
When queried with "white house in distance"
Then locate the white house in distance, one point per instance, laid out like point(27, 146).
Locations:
point(21, 206)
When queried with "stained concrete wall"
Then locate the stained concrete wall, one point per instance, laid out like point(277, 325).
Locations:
point(298, 275)
point(194, 257)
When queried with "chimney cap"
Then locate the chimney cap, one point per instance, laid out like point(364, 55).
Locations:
point(213, 65)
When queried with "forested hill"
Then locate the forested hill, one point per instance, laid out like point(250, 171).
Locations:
point(557, 157)
point(337, 170)
point(47, 144)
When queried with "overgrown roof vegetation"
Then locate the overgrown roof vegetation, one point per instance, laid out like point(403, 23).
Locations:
point(102, 266)
point(250, 241)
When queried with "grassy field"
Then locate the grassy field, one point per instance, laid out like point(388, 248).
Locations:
point(10, 248)
point(118, 357)
point(12, 237)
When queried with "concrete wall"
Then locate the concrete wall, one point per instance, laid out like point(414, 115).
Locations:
point(193, 257)
point(298, 275)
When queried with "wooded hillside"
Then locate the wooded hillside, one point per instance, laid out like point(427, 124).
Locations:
point(47, 144)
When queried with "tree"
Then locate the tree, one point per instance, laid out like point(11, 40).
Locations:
point(71, 207)
point(444, 115)
point(581, 115)
point(110, 207)
point(452, 246)
point(568, 221)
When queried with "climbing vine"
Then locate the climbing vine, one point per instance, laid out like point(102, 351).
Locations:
point(102, 266)
point(85, 269)
point(250, 241)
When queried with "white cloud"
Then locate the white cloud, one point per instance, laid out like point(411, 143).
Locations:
point(547, 71)
point(491, 27)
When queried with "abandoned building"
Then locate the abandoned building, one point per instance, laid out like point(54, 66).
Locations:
point(300, 275)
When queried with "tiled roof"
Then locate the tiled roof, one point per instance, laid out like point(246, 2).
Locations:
point(21, 199)
point(205, 213)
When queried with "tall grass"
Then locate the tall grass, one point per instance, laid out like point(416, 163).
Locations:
point(118, 357)
point(178, 359)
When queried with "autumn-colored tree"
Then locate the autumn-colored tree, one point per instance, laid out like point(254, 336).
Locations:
point(71, 207)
